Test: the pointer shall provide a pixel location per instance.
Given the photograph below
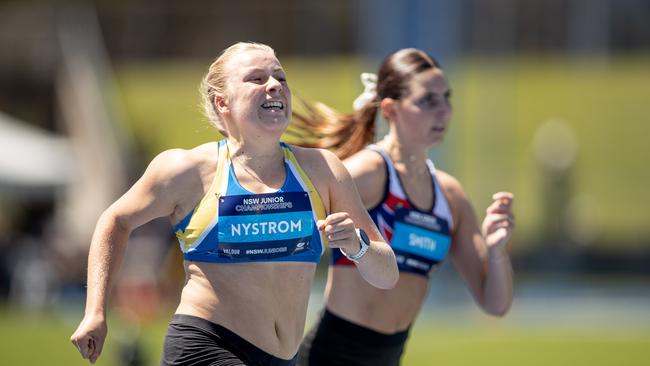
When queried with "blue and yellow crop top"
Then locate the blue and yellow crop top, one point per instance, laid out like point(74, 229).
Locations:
point(420, 239)
point(234, 225)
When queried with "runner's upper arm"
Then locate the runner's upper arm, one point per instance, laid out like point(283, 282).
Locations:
point(468, 248)
point(158, 190)
point(344, 196)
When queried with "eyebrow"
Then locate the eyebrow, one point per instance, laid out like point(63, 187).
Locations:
point(446, 94)
point(258, 69)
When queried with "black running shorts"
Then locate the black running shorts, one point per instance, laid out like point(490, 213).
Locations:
point(337, 342)
point(195, 341)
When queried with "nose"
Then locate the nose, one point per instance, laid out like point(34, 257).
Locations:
point(445, 110)
point(273, 85)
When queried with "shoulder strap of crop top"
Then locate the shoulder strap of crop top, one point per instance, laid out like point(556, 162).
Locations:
point(441, 207)
point(307, 185)
point(394, 185)
point(202, 219)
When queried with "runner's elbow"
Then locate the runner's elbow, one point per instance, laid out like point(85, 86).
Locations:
point(498, 311)
point(389, 278)
point(111, 219)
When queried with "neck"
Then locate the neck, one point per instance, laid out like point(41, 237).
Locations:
point(267, 154)
point(258, 166)
point(403, 153)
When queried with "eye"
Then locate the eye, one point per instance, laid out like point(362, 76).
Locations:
point(257, 79)
point(429, 101)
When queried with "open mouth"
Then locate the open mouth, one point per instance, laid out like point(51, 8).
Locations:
point(438, 129)
point(273, 105)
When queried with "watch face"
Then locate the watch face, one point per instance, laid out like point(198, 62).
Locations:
point(364, 237)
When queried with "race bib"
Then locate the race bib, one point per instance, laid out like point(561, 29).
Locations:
point(264, 226)
point(420, 235)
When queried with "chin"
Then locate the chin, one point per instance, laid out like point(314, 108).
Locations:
point(275, 126)
point(435, 141)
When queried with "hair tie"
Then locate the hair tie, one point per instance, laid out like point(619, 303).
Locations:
point(369, 81)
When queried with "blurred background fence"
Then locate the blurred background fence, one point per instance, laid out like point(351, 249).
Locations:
point(551, 101)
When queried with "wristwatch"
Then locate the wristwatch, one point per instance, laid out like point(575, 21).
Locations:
point(365, 244)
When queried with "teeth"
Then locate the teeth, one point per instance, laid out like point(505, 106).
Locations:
point(268, 105)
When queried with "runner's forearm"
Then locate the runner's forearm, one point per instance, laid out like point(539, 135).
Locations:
point(104, 258)
point(498, 283)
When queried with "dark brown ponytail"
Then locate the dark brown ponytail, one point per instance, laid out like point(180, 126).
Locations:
point(345, 134)
point(323, 127)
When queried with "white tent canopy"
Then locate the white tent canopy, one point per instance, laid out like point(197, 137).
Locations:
point(31, 157)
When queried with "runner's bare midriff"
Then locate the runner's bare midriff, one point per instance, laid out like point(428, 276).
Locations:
point(265, 305)
point(384, 311)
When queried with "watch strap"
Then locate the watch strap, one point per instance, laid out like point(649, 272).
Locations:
point(365, 244)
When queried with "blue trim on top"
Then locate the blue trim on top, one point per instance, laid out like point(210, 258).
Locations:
point(182, 225)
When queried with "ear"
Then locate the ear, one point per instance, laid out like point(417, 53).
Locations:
point(221, 104)
point(388, 106)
